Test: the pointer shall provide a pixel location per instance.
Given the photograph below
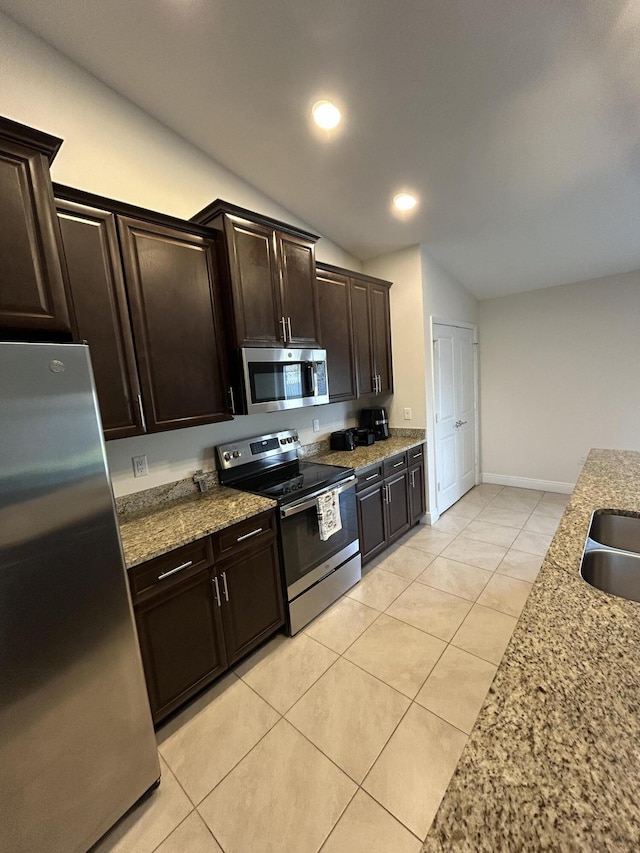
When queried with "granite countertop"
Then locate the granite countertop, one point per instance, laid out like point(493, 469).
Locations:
point(363, 457)
point(553, 761)
point(159, 528)
point(161, 519)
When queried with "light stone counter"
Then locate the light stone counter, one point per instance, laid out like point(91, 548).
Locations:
point(156, 529)
point(553, 762)
point(363, 457)
point(158, 520)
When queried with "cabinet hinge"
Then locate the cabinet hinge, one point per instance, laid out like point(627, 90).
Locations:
point(436, 417)
point(438, 486)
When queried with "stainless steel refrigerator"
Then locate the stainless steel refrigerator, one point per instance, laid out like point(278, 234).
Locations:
point(77, 746)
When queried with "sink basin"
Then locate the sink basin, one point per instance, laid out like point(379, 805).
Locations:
point(616, 572)
point(616, 531)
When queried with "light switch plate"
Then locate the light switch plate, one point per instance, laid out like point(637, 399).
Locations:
point(407, 414)
point(316, 424)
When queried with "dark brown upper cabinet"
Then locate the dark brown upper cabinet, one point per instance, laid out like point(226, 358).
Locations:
point(269, 266)
point(355, 326)
point(145, 295)
point(372, 334)
point(334, 298)
point(96, 284)
point(33, 301)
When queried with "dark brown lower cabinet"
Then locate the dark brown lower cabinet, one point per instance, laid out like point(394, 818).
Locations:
point(371, 530)
point(181, 642)
point(390, 499)
point(417, 498)
point(197, 614)
point(253, 606)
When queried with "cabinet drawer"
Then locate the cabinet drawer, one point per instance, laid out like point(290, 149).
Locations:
point(415, 455)
point(395, 464)
point(158, 574)
point(245, 534)
point(369, 477)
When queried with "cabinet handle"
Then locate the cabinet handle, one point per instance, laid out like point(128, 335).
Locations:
point(141, 410)
point(215, 581)
point(398, 464)
point(232, 402)
point(289, 329)
point(177, 569)
point(249, 535)
point(225, 588)
point(417, 455)
point(412, 478)
point(389, 496)
point(371, 477)
point(283, 323)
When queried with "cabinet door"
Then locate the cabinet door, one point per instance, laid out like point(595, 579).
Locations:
point(251, 592)
point(171, 281)
point(255, 283)
point(362, 337)
point(299, 290)
point(32, 294)
point(337, 335)
point(381, 336)
point(397, 505)
point(101, 313)
point(181, 641)
point(371, 521)
point(417, 505)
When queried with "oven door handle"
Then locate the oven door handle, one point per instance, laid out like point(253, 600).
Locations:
point(308, 502)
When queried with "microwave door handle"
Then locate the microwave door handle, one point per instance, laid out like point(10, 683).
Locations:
point(311, 367)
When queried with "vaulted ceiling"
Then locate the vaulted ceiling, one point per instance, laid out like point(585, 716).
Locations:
point(517, 122)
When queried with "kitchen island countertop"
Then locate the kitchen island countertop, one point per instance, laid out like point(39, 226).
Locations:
point(553, 761)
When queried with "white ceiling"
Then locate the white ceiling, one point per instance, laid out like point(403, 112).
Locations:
point(516, 121)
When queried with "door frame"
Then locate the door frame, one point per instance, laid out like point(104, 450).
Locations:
point(433, 513)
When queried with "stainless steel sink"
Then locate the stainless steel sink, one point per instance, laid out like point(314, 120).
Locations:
point(611, 556)
point(616, 531)
point(616, 572)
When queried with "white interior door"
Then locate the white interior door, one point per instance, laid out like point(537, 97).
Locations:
point(455, 412)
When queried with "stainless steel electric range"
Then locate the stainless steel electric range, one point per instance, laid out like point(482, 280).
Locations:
point(316, 571)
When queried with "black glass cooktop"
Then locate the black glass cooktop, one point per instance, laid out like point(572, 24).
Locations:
point(293, 480)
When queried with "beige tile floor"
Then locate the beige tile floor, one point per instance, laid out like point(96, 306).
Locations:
point(343, 739)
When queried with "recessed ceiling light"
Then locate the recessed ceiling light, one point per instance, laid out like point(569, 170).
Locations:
point(326, 114)
point(404, 201)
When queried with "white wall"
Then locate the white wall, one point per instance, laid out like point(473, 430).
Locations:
point(114, 149)
point(559, 374)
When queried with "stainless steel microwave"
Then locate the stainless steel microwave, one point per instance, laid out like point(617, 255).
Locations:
point(277, 379)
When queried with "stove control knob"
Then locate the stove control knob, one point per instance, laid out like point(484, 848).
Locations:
point(236, 454)
point(283, 441)
point(227, 457)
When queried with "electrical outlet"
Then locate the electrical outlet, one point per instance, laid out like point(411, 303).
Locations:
point(316, 424)
point(407, 414)
point(140, 468)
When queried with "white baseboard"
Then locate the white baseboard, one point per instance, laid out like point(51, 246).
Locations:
point(527, 483)
point(430, 517)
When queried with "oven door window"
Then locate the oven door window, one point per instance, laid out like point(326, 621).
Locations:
point(277, 381)
point(302, 548)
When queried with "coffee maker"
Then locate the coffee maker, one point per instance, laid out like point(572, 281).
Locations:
point(376, 421)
